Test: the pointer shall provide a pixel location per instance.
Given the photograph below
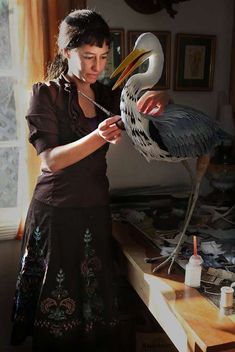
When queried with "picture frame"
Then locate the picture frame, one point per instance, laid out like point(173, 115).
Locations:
point(115, 57)
point(194, 62)
point(165, 40)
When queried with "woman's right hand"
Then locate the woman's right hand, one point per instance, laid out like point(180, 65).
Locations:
point(109, 131)
point(153, 102)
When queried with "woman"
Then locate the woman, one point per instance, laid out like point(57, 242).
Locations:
point(65, 296)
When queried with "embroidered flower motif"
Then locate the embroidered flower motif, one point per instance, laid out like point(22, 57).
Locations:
point(33, 266)
point(58, 308)
point(93, 305)
point(90, 265)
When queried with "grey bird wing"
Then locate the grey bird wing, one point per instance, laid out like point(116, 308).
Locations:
point(184, 131)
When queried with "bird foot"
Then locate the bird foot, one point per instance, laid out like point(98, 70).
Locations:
point(154, 259)
point(169, 258)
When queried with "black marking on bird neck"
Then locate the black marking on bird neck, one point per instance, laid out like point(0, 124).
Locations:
point(141, 133)
point(133, 120)
point(130, 96)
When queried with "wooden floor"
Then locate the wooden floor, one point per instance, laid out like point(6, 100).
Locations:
point(9, 261)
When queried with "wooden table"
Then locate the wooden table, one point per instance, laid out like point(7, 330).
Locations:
point(191, 321)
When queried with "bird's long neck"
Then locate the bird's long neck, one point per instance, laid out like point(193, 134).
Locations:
point(130, 114)
point(139, 82)
point(148, 79)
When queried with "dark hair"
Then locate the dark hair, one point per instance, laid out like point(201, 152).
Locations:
point(78, 28)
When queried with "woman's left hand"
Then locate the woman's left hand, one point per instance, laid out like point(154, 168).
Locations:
point(109, 130)
point(153, 102)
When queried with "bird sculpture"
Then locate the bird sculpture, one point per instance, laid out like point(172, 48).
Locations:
point(177, 134)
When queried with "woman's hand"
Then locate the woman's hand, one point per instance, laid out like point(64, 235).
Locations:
point(153, 102)
point(55, 159)
point(109, 131)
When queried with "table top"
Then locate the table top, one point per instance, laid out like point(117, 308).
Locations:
point(191, 321)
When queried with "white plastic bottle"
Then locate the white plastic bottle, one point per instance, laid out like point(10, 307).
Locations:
point(193, 271)
point(226, 298)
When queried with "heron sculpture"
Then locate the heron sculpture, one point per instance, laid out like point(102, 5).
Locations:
point(177, 134)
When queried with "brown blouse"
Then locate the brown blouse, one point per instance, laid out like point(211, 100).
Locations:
point(55, 118)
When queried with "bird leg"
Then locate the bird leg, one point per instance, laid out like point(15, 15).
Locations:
point(172, 257)
point(186, 165)
point(193, 186)
point(201, 167)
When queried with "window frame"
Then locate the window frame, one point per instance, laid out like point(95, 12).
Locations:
point(10, 217)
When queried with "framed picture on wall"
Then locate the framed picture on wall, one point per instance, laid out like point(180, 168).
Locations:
point(165, 40)
point(115, 57)
point(195, 62)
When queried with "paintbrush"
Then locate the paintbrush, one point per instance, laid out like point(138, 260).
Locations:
point(119, 123)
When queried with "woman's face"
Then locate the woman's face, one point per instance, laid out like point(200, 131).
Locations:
point(87, 62)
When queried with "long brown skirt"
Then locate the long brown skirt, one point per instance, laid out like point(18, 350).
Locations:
point(66, 295)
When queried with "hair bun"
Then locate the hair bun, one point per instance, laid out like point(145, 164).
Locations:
point(71, 21)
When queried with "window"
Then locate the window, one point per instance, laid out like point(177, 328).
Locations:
point(11, 141)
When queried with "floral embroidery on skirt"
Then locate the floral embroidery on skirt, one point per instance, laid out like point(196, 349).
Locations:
point(57, 309)
point(65, 288)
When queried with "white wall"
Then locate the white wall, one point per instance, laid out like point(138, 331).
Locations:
point(126, 167)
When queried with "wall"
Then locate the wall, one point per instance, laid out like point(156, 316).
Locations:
point(125, 166)
point(232, 83)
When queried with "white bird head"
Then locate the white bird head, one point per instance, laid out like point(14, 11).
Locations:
point(147, 46)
